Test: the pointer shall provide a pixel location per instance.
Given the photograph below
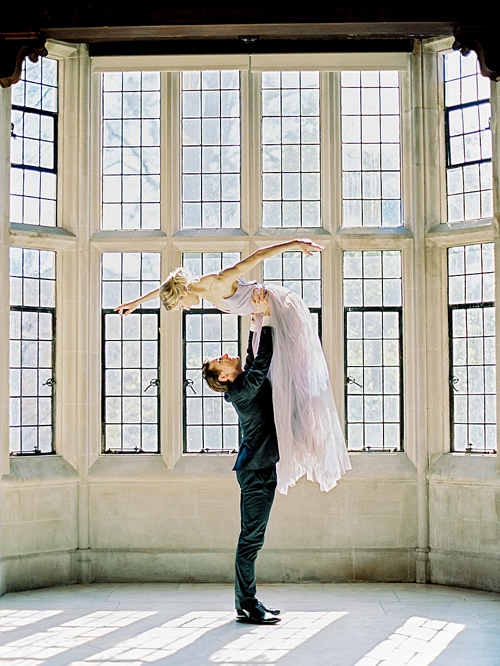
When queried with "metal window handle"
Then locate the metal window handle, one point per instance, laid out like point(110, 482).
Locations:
point(50, 382)
point(153, 382)
point(351, 380)
point(453, 381)
point(188, 383)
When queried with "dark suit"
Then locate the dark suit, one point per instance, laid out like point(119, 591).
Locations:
point(250, 394)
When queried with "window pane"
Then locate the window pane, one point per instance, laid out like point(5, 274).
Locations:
point(300, 273)
point(130, 382)
point(472, 347)
point(371, 172)
point(373, 344)
point(33, 180)
point(131, 150)
point(211, 425)
point(291, 183)
point(32, 350)
point(211, 149)
point(468, 139)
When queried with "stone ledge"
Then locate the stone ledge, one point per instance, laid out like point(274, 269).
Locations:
point(460, 468)
point(36, 469)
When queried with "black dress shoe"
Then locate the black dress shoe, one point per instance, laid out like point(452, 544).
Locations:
point(272, 611)
point(256, 614)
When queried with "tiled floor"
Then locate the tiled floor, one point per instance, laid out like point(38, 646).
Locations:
point(335, 625)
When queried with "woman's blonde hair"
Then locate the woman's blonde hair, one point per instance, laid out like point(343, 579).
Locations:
point(174, 287)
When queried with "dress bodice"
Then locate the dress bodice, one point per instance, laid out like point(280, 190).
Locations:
point(239, 303)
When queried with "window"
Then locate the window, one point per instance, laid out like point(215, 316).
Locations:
point(211, 140)
point(32, 350)
point(211, 424)
point(252, 155)
point(131, 150)
point(131, 354)
point(300, 273)
point(468, 139)
point(373, 350)
point(371, 163)
point(291, 149)
point(213, 130)
point(34, 117)
point(471, 316)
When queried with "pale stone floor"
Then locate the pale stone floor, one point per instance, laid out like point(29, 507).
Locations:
point(338, 625)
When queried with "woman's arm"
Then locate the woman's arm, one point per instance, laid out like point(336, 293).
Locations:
point(127, 308)
point(229, 275)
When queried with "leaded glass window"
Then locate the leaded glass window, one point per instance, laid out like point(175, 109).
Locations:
point(211, 149)
point(468, 139)
point(131, 150)
point(291, 179)
point(33, 175)
point(131, 354)
point(373, 350)
point(211, 424)
point(32, 350)
point(471, 316)
point(302, 274)
point(371, 151)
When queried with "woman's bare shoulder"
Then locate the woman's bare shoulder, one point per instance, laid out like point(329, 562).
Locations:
point(206, 281)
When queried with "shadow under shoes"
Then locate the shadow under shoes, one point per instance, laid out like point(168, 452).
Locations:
point(257, 613)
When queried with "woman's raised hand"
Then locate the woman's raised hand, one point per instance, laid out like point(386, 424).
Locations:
point(308, 247)
point(126, 308)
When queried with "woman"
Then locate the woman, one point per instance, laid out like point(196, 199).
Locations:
point(310, 437)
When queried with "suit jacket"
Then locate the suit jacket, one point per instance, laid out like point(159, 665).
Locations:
point(251, 396)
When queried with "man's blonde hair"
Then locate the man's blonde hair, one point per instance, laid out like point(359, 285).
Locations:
point(174, 287)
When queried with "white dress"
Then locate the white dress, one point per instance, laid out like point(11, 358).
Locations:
point(310, 437)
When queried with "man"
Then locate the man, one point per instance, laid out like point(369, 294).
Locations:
point(249, 391)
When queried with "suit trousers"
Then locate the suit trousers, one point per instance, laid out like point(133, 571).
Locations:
point(258, 488)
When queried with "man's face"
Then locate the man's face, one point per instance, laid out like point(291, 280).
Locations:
point(226, 366)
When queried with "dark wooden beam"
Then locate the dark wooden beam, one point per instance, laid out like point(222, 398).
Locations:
point(132, 25)
point(296, 31)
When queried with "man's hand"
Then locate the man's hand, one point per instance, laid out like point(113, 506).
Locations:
point(259, 300)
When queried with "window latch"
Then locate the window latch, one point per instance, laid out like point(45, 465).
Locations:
point(351, 380)
point(153, 382)
point(188, 383)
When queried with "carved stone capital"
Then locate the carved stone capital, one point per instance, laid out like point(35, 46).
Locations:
point(13, 52)
point(485, 45)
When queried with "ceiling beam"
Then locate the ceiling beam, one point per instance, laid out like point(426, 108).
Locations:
point(299, 31)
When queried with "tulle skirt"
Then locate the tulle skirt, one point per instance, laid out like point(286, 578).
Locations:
point(310, 438)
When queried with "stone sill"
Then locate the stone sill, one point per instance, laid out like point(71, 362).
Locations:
point(39, 469)
point(151, 468)
point(460, 468)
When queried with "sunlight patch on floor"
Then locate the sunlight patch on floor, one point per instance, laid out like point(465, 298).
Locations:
point(416, 643)
point(36, 648)
point(159, 642)
point(269, 643)
point(15, 619)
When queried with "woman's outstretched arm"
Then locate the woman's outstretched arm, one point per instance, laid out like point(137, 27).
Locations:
point(229, 275)
point(127, 308)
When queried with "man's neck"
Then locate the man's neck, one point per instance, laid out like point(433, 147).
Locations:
point(235, 374)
